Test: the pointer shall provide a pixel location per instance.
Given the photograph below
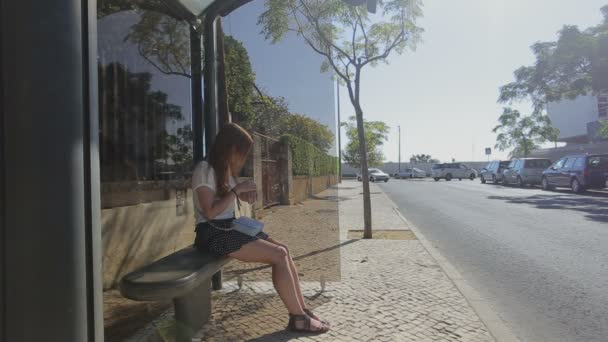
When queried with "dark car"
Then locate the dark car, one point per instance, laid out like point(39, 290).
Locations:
point(493, 171)
point(523, 171)
point(577, 172)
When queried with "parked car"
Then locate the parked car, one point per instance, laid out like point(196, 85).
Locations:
point(577, 172)
point(448, 171)
point(375, 175)
point(525, 171)
point(411, 173)
point(493, 171)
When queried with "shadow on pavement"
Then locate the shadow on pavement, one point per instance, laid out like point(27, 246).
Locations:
point(330, 198)
point(281, 336)
point(595, 205)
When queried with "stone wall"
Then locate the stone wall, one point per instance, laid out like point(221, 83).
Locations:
point(135, 235)
point(304, 187)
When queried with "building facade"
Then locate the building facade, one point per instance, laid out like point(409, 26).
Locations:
point(578, 120)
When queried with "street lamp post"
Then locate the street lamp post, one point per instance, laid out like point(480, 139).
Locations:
point(339, 134)
point(399, 158)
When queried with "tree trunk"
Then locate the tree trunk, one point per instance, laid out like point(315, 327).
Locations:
point(367, 207)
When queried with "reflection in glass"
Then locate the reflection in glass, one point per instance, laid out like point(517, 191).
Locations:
point(145, 146)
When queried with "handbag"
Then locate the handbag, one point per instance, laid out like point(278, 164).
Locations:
point(248, 226)
point(243, 224)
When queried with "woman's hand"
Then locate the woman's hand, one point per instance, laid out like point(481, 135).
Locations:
point(244, 187)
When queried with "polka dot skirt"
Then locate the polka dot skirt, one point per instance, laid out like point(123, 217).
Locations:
point(222, 242)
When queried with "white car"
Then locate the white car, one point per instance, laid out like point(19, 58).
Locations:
point(411, 173)
point(375, 175)
point(450, 171)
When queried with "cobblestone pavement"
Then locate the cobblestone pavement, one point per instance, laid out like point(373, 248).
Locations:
point(387, 290)
point(312, 233)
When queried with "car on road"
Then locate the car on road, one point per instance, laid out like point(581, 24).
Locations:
point(375, 175)
point(525, 171)
point(493, 171)
point(578, 172)
point(449, 171)
point(411, 173)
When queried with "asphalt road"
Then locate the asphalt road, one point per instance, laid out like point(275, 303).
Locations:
point(540, 258)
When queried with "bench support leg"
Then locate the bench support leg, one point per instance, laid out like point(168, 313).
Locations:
point(216, 281)
point(192, 311)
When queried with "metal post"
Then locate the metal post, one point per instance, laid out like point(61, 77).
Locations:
point(339, 134)
point(50, 192)
point(210, 75)
point(399, 148)
point(198, 125)
point(224, 116)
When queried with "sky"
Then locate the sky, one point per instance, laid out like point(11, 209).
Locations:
point(443, 95)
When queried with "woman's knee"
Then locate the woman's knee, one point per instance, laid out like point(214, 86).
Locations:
point(280, 255)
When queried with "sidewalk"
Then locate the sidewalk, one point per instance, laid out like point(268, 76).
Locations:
point(374, 290)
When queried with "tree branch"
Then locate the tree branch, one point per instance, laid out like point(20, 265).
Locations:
point(360, 21)
point(388, 50)
point(328, 56)
point(149, 60)
point(354, 36)
point(315, 21)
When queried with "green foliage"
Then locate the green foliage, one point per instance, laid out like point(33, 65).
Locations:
point(163, 41)
point(178, 148)
point(576, 64)
point(423, 158)
point(523, 134)
point(604, 129)
point(307, 159)
point(271, 116)
point(375, 135)
point(240, 78)
point(349, 37)
point(310, 130)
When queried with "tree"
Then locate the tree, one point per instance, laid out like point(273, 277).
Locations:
point(604, 129)
point(423, 158)
point(310, 130)
point(349, 39)
point(376, 133)
point(523, 134)
point(574, 65)
point(240, 78)
point(177, 151)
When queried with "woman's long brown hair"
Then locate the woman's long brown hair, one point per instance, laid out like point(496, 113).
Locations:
point(228, 153)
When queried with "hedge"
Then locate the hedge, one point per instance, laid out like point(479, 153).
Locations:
point(309, 160)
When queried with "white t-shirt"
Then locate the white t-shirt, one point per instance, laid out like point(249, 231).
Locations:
point(204, 175)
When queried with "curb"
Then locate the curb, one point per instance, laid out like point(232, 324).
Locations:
point(495, 325)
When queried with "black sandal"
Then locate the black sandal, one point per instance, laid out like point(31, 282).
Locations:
point(313, 316)
point(307, 326)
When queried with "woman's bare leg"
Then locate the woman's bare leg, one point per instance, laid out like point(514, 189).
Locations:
point(268, 253)
point(296, 278)
point(294, 274)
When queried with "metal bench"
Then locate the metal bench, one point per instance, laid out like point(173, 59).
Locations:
point(186, 277)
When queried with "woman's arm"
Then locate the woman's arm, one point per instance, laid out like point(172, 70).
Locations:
point(212, 207)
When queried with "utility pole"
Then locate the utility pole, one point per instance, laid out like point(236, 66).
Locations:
point(339, 134)
point(399, 148)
